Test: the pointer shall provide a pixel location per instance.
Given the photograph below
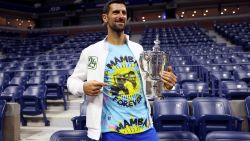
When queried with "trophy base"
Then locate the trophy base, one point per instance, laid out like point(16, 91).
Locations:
point(153, 89)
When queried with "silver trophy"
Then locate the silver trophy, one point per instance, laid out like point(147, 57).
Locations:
point(153, 63)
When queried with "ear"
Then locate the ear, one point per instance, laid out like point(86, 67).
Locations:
point(104, 18)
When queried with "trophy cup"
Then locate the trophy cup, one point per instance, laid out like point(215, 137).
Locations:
point(153, 63)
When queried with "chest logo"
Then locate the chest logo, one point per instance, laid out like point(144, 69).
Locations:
point(92, 62)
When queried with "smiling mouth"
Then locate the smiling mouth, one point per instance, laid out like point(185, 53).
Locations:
point(120, 22)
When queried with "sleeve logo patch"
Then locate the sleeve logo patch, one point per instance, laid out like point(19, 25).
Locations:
point(92, 62)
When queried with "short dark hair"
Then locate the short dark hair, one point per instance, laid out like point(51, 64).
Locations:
point(106, 6)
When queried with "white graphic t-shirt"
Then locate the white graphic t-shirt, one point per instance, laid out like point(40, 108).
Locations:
point(124, 105)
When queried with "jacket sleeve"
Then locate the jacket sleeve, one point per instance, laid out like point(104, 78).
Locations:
point(79, 76)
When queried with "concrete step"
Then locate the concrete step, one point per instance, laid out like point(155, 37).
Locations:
point(39, 133)
point(218, 38)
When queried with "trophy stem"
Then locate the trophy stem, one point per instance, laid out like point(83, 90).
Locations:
point(155, 87)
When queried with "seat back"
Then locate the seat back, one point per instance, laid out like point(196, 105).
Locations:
point(242, 75)
point(222, 75)
point(18, 81)
point(195, 89)
point(247, 102)
point(11, 93)
point(210, 106)
point(70, 135)
point(170, 106)
point(228, 136)
point(2, 116)
point(79, 122)
point(234, 89)
point(177, 136)
point(171, 114)
point(36, 80)
point(36, 91)
point(187, 77)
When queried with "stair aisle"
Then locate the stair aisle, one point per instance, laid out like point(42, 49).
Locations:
point(59, 120)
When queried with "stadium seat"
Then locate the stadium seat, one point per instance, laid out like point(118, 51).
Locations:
point(177, 136)
point(214, 114)
point(234, 89)
point(247, 102)
point(2, 116)
point(171, 114)
point(187, 77)
point(217, 77)
point(36, 80)
point(70, 135)
point(55, 88)
point(242, 75)
point(79, 122)
point(33, 103)
point(195, 89)
point(228, 136)
point(18, 81)
point(11, 93)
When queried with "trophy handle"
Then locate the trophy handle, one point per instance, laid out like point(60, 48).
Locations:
point(144, 60)
point(165, 58)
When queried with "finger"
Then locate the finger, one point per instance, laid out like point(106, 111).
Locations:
point(168, 84)
point(94, 88)
point(169, 77)
point(95, 92)
point(100, 84)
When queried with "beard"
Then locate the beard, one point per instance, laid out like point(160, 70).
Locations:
point(117, 27)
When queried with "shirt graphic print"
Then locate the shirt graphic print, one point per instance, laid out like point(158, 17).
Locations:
point(124, 105)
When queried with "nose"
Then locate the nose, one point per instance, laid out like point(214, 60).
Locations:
point(121, 14)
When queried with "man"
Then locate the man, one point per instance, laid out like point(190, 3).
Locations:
point(109, 75)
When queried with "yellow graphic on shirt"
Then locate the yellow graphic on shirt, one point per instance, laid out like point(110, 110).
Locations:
point(133, 126)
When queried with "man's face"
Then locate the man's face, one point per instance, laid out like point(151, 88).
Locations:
point(116, 18)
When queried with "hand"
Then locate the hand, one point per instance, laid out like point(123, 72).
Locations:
point(168, 78)
point(92, 88)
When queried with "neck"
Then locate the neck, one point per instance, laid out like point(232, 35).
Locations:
point(116, 38)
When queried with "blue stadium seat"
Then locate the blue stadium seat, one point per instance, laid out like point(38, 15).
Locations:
point(195, 89)
point(214, 114)
point(187, 77)
point(228, 136)
point(234, 89)
point(33, 103)
point(177, 136)
point(18, 81)
point(70, 135)
point(2, 116)
point(171, 114)
point(242, 75)
point(79, 122)
point(11, 93)
point(247, 102)
point(36, 80)
point(4, 80)
point(217, 77)
point(55, 88)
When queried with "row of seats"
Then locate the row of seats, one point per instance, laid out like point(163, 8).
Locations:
point(237, 33)
point(33, 92)
point(80, 135)
point(174, 114)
